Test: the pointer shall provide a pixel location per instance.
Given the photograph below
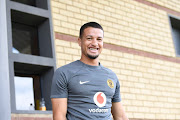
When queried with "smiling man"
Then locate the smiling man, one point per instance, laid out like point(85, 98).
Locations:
point(84, 89)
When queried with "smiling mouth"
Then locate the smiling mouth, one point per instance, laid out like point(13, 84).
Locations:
point(93, 48)
point(93, 53)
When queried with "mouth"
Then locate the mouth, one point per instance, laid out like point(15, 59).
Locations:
point(93, 49)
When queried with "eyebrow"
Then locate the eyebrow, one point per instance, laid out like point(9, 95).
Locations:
point(92, 36)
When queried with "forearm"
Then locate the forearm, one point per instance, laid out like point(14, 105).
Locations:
point(118, 112)
point(124, 117)
point(59, 106)
point(59, 117)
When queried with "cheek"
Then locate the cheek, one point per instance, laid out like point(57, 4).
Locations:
point(84, 46)
point(101, 45)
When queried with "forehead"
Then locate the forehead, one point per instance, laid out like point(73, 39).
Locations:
point(90, 31)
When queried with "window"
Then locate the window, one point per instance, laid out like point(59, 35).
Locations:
point(25, 39)
point(24, 93)
point(35, 3)
point(32, 83)
point(30, 34)
point(175, 27)
point(31, 55)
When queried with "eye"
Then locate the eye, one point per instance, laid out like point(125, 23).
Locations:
point(99, 39)
point(89, 38)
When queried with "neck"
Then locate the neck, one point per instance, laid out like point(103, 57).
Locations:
point(93, 62)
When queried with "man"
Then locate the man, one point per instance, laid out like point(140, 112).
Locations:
point(84, 89)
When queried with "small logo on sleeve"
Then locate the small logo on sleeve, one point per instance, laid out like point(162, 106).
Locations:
point(110, 83)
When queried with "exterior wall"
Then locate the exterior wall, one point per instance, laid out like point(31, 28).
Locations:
point(5, 110)
point(138, 48)
point(31, 117)
point(126, 22)
point(40, 66)
point(171, 4)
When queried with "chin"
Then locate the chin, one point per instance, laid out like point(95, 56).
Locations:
point(92, 56)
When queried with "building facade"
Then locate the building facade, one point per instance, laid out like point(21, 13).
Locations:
point(141, 45)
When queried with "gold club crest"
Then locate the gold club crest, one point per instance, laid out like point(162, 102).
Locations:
point(110, 83)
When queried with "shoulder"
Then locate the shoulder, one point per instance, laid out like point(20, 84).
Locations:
point(69, 68)
point(108, 70)
point(110, 73)
point(67, 71)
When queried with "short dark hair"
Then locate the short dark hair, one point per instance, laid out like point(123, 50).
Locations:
point(89, 24)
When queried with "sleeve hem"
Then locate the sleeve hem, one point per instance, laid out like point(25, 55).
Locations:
point(57, 96)
point(117, 100)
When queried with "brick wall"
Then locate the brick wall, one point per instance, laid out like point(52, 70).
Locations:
point(149, 86)
point(31, 117)
point(171, 4)
point(126, 22)
point(138, 48)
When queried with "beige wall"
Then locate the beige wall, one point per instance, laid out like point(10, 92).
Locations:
point(171, 4)
point(150, 86)
point(31, 117)
point(126, 22)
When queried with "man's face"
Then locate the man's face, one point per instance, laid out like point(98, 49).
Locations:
point(91, 42)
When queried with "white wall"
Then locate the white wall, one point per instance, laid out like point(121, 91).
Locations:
point(5, 107)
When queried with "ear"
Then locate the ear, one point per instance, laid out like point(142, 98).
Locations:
point(79, 41)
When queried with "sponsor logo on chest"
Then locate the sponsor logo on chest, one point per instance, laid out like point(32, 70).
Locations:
point(99, 98)
point(100, 101)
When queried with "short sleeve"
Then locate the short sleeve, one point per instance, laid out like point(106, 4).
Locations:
point(117, 95)
point(59, 85)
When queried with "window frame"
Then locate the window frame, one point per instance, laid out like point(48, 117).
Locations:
point(41, 61)
point(176, 48)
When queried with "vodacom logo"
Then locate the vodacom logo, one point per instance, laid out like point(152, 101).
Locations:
point(100, 99)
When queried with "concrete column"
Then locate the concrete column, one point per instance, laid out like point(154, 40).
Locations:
point(5, 107)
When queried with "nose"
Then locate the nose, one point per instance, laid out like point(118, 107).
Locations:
point(94, 42)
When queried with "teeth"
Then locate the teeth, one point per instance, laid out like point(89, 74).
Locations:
point(93, 48)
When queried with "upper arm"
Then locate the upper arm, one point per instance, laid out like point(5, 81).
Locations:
point(59, 106)
point(59, 84)
point(117, 95)
point(118, 112)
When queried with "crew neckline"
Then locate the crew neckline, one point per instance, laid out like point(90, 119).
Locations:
point(90, 66)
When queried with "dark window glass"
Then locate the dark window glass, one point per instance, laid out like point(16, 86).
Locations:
point(175, 26)
point(35, 3)
point(30, 34)
point(25, 39)
point(27, 2)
